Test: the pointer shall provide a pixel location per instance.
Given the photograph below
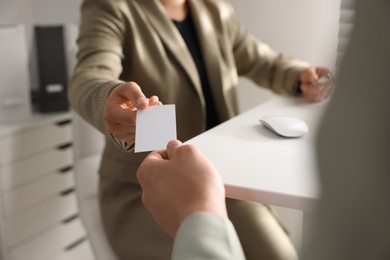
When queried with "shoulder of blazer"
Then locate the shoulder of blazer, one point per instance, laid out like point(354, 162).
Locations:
point(222, 6)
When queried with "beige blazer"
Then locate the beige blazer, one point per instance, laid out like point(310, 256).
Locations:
point(134, 40)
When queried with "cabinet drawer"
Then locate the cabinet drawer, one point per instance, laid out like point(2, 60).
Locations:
point(46, 215)
point(23, 144)
point(50, 242)
point(24, 171)
point(50, 185)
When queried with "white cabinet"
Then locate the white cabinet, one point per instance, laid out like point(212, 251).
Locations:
point(39, 216)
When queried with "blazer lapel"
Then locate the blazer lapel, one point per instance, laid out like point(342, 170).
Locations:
point(171, 38)
point(208, 41)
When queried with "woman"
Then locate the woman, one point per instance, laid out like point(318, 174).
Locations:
point(139, 53)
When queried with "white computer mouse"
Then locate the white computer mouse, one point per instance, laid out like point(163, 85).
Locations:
point(285, 126)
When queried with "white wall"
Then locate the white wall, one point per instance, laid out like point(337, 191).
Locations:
point(305, 29)
point(61, 11)
point(38, 12)
point(16, 11)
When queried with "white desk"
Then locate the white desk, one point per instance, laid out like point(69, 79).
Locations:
point(260, 166)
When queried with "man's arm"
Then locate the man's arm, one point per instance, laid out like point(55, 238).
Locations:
point(207, 236)
point(186, 196)
point(353, 215)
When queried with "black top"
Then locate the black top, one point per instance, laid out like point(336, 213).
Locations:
point(188, 32)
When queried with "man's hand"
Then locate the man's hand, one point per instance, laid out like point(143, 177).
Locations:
point(120, 110)
point(178, 182)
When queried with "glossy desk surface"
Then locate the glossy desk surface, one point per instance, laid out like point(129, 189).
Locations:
point(258, 165)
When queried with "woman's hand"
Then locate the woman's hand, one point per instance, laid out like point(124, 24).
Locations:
point(120, 110)
point(315, 93)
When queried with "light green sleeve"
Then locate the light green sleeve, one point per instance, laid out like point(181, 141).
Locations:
point(206, 236)
point(352, 218)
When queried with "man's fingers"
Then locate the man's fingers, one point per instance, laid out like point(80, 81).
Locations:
point(156, 155)
point(172, 146)
point(151, 161)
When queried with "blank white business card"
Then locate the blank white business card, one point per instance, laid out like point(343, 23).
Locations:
point(155, 127)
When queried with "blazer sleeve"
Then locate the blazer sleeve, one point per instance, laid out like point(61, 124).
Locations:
point(208, 237)
point(257, 61)
point(99, 59)
point(353, 146)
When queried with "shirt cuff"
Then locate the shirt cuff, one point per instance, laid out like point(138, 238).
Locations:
point(124, 146)
point(297, 91)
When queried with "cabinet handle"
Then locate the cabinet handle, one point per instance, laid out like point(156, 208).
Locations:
point(70, 219)
point(64, 146)
point(65, 169)
point(67, 192)
point(64, 122)
point(75, 244)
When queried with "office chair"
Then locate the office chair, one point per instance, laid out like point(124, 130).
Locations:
point(86, 183)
